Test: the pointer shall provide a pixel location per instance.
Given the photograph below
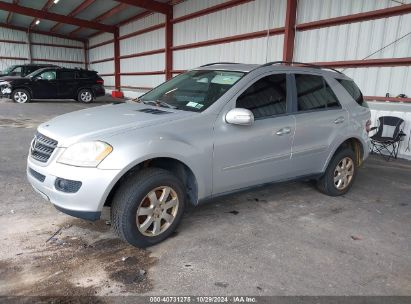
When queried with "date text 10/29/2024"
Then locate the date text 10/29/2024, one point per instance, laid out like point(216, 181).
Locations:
point(203, 299)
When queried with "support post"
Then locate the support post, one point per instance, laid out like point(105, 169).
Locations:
point(169, 44)
point(289, 35)
point(85, 47)
point(30, 57)
point(117, 83)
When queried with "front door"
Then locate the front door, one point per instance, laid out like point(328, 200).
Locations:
point(45, 85)
point(319, 120)
point(245, 156)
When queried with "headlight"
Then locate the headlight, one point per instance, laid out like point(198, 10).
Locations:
point(4, 83)
point(85, 154)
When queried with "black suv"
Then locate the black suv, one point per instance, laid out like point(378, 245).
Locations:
point(53, 83)
point(23, 69)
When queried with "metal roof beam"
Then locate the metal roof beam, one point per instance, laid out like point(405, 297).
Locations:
point(74, 12)
point(10, 14)
point(150, 5)
point(45, 8)
point(115, 10)
point(54, 17)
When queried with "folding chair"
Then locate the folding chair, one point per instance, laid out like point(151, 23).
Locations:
point(386, 141)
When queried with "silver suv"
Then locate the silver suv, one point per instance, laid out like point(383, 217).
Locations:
point(213, 130)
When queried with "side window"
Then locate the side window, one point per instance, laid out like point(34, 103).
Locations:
point(47, 75)
point(16, 71)
point(266, 97)
point(353, 90)
point(64, 75)
point(313, 93)
point(31, 69)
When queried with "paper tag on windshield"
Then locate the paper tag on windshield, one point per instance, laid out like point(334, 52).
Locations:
point(192, 104)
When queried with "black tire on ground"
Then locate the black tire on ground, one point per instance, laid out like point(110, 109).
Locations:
point(131, 193)
point(85, 95)
point(326, 183)
point(20, 96)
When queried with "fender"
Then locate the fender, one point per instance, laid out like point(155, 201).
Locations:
point(337, 144)
point(203, 186)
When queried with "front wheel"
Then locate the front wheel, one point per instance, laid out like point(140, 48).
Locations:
point(147, 207)
point(85, 95)
point(340, 174)
point(20, 96)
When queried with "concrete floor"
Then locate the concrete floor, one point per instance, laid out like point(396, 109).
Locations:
point(284, 239)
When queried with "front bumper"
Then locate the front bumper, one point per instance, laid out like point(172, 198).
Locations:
point(5, 92)
point(87, 202)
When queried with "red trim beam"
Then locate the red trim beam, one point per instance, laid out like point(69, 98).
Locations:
point(209, 10)
point(152, 5)
point(54, 17)
point(389, 62)
point(377, 14)
point(387, 99)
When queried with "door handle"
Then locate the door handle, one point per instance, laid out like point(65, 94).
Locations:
point(339, 120)
point(283, 131)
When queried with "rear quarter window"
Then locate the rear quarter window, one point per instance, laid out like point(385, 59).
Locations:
point(354, 91)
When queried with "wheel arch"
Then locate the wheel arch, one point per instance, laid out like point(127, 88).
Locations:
point(174, 165)
point(355, 143)
point(28, 89)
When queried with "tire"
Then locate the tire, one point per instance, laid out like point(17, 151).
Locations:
point(21, 96)
point(85, 95)
point(132, 196)
point(332, 183)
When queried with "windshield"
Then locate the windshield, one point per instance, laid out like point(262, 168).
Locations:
point(192, 91)
point(9, 69)
point(34, 73)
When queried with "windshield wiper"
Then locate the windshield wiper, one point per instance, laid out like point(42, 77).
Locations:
point(159, 103)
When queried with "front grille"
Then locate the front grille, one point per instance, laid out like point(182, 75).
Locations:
point(42, 147)
point(40, 177)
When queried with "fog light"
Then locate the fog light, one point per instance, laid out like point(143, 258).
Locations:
point(66, 185)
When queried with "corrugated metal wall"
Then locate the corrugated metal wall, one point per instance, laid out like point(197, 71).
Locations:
point(100, 53)
point(12, 49)
point(44, 53)
point(145, 42)
point(353, 41)
point(357, 41)
point(241, 19)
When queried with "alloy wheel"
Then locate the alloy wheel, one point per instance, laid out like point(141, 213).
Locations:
point(86, 96)
point(344, 173)
point(20, 97)
point(157, 211)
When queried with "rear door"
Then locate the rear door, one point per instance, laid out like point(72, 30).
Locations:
point(67, 83)
point(250, 155)
point(320, 119)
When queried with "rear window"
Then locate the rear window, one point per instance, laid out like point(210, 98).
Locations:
point(67, 75)
point(353, 90)
point(87, 74)
point(313, 93)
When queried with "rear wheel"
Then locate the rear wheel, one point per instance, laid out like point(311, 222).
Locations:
point(85, 95)
point(147, 207)
point(21, 96)
point(340, 173)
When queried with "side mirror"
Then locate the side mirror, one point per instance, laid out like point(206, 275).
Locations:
point(239, 116)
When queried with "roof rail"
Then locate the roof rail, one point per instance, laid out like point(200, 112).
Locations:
point(208, 64)
point(299, 63)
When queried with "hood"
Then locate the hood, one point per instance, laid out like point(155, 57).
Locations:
point(105, 121)
point(12, 78)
